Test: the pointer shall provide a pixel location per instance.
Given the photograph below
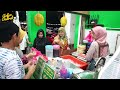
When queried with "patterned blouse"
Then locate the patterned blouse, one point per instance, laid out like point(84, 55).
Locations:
point(11, 66)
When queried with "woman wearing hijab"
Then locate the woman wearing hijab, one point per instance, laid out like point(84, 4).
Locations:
point(61, 39)
point(41, 41)
point(99, 47)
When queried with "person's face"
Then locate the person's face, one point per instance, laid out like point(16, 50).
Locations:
point(90, 32)
point(93, 35)
point(40, 35)
point(61, 34)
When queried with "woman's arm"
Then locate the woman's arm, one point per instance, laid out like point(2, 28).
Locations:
point(64, 44)
point(90, 53)
point(56, 40)
point(67, 45)
point(28, 41)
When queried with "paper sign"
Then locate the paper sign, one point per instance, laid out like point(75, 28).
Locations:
point(39, 68)
point(48, 72)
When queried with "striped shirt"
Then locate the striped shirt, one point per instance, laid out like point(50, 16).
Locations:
point(11, 66)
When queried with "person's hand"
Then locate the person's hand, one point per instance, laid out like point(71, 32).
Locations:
point(57, 41)
point(30, 55)
point(68, 48)
point(29, 63)
point(32, 68)
point(29, 43)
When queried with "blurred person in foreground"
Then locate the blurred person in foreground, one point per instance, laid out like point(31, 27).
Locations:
point(10, 63)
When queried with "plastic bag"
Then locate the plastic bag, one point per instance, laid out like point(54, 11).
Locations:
point(111, 70)
point(88, 75)
point(81, 49)
point(38, 54)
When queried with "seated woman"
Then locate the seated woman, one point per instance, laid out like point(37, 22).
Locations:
point(61, 39)
point(99, 47)
point(41, 41)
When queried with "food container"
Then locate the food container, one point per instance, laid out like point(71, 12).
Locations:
point(81, 64)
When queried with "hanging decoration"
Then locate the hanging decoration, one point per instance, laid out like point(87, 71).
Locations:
point(7, 17)
point(63, 21)
point(39, 19)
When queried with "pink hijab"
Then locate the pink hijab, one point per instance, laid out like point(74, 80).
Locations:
point(101, 36)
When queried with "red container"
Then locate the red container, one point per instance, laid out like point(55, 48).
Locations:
point(83, 65)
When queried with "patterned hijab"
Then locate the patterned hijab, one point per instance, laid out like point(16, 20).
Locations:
point(62, 29)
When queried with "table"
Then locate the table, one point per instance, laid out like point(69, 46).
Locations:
point(67, 52)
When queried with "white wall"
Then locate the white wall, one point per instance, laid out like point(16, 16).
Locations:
point(67, 27)
point(16, 19)
point(79, 31)
point(70, 27)
point(111, 38)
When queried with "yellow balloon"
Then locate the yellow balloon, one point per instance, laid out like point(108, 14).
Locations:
point(39, 19)
point(63, 21)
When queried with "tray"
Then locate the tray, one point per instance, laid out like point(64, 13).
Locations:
point(83, 65)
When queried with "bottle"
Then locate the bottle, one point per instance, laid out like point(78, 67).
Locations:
point(49, 51)
point(56, 50)
point(63, 72)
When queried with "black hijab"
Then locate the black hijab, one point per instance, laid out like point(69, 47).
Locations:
point(41, 30)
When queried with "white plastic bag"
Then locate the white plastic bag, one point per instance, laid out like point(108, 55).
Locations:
point(111, 70)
